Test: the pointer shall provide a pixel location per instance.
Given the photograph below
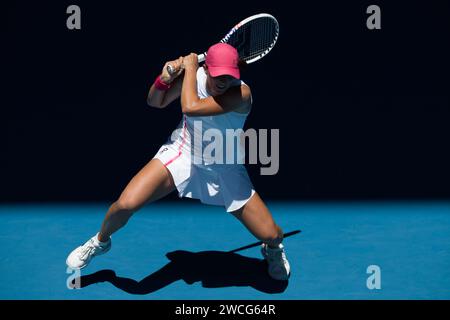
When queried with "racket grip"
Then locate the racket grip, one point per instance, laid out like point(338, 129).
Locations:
point(201, 57)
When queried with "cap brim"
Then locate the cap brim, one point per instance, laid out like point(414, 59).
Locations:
point(221, 71)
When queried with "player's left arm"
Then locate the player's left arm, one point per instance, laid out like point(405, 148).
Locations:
point(234, 99)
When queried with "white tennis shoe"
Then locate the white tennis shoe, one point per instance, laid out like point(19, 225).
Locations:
point(279, 268)
point(81, 256)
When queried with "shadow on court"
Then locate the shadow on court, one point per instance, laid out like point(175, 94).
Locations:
point(215, 269)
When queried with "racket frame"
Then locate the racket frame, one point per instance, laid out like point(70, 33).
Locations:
point(202, 56)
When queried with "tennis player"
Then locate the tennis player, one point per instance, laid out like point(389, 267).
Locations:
point(215, 96)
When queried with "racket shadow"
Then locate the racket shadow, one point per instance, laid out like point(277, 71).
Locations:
point(214, 269)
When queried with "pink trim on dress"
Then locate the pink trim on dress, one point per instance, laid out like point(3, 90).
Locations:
point(182, 144)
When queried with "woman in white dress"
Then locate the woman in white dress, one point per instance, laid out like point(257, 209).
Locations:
point(212, 97)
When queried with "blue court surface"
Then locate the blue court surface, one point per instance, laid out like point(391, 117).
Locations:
point(181, 251)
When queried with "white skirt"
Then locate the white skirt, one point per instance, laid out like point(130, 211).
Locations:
point(225, 185)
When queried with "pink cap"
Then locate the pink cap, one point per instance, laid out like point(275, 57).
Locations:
point(222, 59)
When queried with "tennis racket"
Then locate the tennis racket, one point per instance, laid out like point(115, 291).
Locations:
point(253, 38)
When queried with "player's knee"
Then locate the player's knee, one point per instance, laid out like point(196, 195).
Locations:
point(127, 204)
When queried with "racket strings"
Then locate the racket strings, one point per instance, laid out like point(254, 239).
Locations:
point(255, 38)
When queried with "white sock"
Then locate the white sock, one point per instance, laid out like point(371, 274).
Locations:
point(98, 242)
point(280, 246)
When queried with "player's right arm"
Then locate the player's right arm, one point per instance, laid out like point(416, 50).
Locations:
point(162, 98)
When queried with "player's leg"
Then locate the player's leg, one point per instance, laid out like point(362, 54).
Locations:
point(153, 182)
point(256, 217)
point(149, 184)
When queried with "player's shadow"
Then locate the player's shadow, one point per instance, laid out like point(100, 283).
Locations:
point(215, 269)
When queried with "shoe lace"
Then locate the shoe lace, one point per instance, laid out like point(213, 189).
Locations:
point(277, 256)
point(86, 250)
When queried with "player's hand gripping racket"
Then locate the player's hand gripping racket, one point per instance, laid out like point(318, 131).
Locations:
point(253, 38)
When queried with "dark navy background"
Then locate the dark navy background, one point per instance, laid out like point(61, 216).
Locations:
point(362, 114)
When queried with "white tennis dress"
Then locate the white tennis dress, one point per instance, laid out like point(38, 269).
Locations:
point(197, 174)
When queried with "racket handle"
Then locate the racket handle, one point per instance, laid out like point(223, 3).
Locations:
point(201, 58)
